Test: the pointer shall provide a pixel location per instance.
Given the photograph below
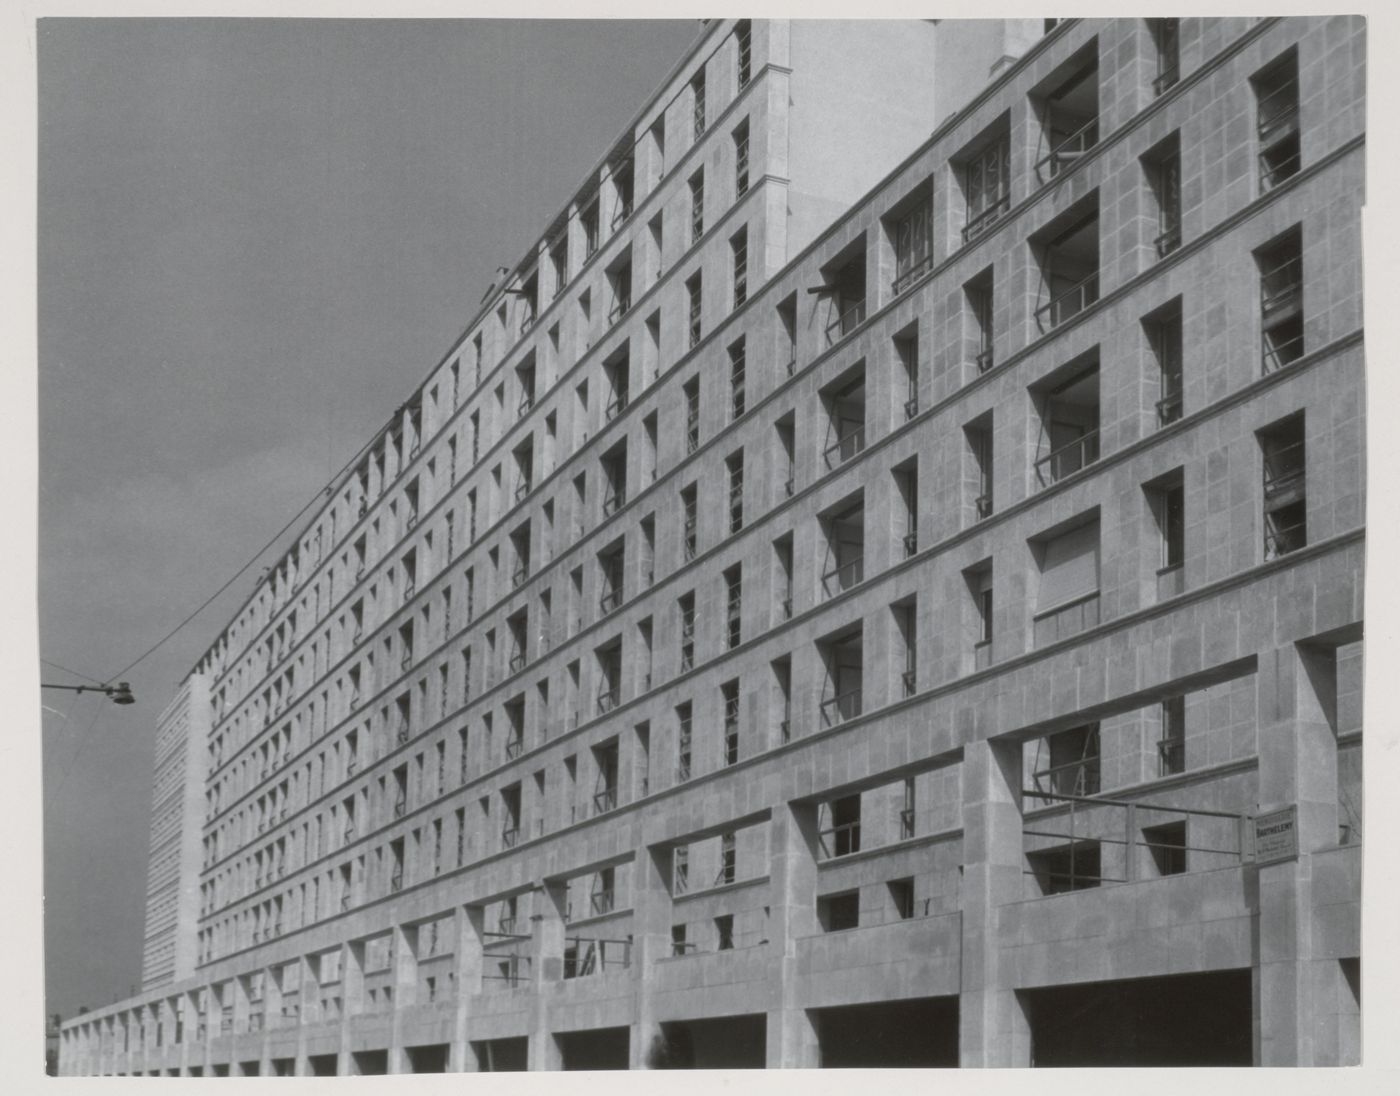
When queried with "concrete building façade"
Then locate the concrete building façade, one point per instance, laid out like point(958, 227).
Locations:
point(835, 605)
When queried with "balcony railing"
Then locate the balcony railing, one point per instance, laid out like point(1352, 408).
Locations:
point(846, 322)
point(1278, 353)
point(1278, 111)
point(583, 957)
point(1171, 756)
point(913, 274)
point(620, 308)
point(791, 367)
point(911, 543)
point(839, 840)
point(614, 500)
point(1283, 539)
point(1169, 406)
point(609, 699)
point(789, 485)
point(1168, 241)
point(1067, 459)
point(979, 222)
point(1071, 302)
point(396, 881)
point(512, 968)
point(517, 662)
point(909, 679)
point(616, 406)
point(785, 608)
point(510, 837)
point(522, 488)
point(1067, 151)
point(841, 708)
point(400, 806)
point(1284, 472)
point(1167, 79)
point(984, 360)
point(1091, 821)
point(983, 503)
point(845, 447)
point(605, 800)
point(610, 600)
point(1281, 287)
point(515, 746)
point(519, 575)
point(844, 576)
point(911, 407)
point(1171, 580)
point(1072, 778)
point(906, 823)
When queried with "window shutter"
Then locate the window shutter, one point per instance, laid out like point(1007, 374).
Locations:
point(1070, 567)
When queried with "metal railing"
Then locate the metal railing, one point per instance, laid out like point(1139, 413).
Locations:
point(605, 800)
point(839, 840)
point(1171, 756)
point(511, 968)
point(911, 407)
point(1073, 778)
point(1277, 110)
point(620, 308)
point(395, 881)
point(610, 600)
point(515, 746)
point(1167, 79)
point(519, 575)
point(1284, 470)
point(911, 543)
point(915, 271)
point(791, 367)
point(1284, 539)
point(1274, 170)
point(846, 322)
point(522, 488)
point(1278, 353)
point(844, 576)
point(1067, 459)
point(400, 806)
point(790, 485)
point(614, 500)
point(510, 837)
point(840, 708)
point(1068, 150)
point(609, 698)
point(617, 405)
point(785, 607)
point(984, 360)
point(1280, 286)
point(1090, 835)
point(983, 504)
point(584, 956)
point(602, 901)
point(1168, 241)
point(1169, 407)
point(910, 680)
point(979, 222)
point(517, 661)
point(1071, 302)
point(844, 447)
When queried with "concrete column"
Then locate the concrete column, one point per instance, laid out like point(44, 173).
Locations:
point(1293, 991)
point(468, 928)
point(651, 940)
point(792, 836)
point(352, 991)
point(548, 926)
point(993, 1030)
point(308, 994)
point(405, 982)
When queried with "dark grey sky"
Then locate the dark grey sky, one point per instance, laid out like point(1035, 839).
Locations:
point(255, 238)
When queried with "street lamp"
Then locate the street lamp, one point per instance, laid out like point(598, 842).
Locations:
point(120, 692)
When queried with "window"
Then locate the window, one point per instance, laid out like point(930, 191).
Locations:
point(787, 462)
point(743, 38)
point(692, 289)
point(1168, 501)
point(679, 946)
point(734, 604)
point(730, 696)
point(1166, 35)
point(782, 557)
point(736, 379)
point(1068, 600)
point(683, 726)
point(559, 260)
point(1068, 253)
point(734, 470)
point(691, 392)
point(979, 448)
point(913, 246)
point(622, 186)
point(728, 860)
point(1285, 487)
point(1163, 169)
point(906, 350)
point(837, 912)
point(724, 932)
point(620, 282)
point(902, 898)
point(906, 624)
point(1168, 847)
point(978, 294)
point(686, 604)
point(987, 183)
point(589, 220)
point(739, 253)
point(680, 874)
point(697, 205)
point(741, 159)
point(697, 95)
point(1068, 401)
point(1068, 112)
point(1164, 337)
point(1276, 125)
point(1072, 866)
point(1280, 264)
point(1073, 768)
point(689, 521)
point(1171, 747)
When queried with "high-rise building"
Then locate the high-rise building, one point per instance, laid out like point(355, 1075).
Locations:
point(997, 703)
